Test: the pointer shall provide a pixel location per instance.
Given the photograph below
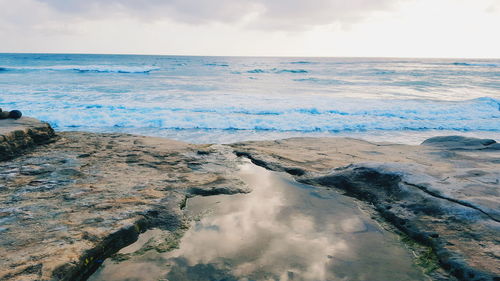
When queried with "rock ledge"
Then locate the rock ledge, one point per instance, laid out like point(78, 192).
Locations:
point(19, 135)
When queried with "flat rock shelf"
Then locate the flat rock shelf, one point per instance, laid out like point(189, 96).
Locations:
point(70, 201)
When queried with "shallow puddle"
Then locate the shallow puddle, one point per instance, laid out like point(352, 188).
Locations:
point(282, 230)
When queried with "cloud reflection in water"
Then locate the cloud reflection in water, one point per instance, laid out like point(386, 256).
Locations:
point(282, 230)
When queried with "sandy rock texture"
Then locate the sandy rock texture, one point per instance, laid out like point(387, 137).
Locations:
point(68, 205)
point(443, 194)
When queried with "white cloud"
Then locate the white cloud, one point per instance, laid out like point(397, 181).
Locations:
point(265, 13)
point(411, 28)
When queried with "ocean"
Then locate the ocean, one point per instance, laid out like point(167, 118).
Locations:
point(228, 99)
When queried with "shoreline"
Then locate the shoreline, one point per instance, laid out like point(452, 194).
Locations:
point(230, 136)
point(99, 211)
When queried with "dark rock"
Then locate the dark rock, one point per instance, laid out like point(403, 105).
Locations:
point(362, 182)
point(210, 191)
point(16, 136)
point(295, 171)
point(84, 155)
point(378, 186)
point(495, 146)
point(459, 142)
point(15, 114)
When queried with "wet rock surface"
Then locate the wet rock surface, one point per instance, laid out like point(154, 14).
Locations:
point(77, 199)
point(443, 194)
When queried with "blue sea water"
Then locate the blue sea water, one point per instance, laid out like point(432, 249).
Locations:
point(227, 99)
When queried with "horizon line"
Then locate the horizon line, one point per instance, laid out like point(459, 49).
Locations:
point(244, 56)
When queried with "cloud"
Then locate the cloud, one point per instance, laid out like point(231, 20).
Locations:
point(279, 14)
point(296, 13)
point(420, 28)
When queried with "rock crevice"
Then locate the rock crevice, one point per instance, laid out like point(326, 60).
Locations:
point(460, 202)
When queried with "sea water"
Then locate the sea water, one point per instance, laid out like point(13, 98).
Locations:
point(228, 99)
point(282, 230)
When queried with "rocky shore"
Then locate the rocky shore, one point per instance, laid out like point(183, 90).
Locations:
point(70, 200)
point(443, 194)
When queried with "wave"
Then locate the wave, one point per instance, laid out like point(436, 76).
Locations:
point(476, 64)
point(257, 70)
point(217, 64)
point(426, 110)
point(385, 72)
point(116, 69)
point(290, 71)
point(276, 70)
point(301, 62)
point(86, 68)
point(340, 128)
point(322, 81)
point(326, 116)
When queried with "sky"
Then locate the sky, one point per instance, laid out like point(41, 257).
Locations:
point(317, 28)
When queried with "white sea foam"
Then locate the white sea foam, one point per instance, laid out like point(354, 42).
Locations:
point(303, 115)
point(477, 64)
point(85, 68)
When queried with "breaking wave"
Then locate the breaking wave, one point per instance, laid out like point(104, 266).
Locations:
point(86, 68)
point(322, 116)
point(322, 81)
point(276, 70)
point(217, 64)
point(476, 64)
point(291, 71)
point(302, 62)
